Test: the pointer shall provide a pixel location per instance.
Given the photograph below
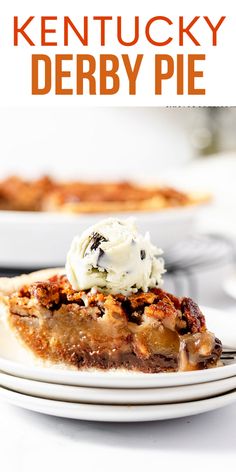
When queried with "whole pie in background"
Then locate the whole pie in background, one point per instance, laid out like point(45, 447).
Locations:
point(47, 194)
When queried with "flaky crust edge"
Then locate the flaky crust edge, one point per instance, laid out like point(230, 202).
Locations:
point(10, 285)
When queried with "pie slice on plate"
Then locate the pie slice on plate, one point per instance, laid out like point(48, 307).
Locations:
point(151, 331)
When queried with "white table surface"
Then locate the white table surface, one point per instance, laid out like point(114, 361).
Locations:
point(31, 441)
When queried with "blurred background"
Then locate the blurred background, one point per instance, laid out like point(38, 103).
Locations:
point(190, 148)
point(112, 142)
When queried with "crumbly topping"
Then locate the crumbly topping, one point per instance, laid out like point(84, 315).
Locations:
point(154, 306)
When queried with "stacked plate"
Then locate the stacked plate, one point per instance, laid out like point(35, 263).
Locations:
point(117, 395)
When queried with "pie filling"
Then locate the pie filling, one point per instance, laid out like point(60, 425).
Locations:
point(150, 331)
point(47, 194)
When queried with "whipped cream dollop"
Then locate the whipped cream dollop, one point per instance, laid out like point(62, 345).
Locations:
point(114, 257)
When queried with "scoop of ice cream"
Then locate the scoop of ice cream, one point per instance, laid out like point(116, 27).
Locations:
point(113, 256)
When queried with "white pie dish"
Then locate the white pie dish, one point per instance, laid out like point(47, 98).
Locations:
point(230, 286)
point(34, 239)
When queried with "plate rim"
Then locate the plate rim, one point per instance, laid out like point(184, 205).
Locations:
point(124, 413)
point(189, 378)
point(80, 394)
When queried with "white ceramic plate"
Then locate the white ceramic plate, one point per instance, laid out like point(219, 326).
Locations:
point(43, 239)
point(17, 361)
point(116, 413)
point(117, 396)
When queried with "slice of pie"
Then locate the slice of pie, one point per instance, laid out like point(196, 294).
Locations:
point(149, 331)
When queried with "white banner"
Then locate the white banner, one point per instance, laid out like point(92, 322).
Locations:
point(125, 53)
